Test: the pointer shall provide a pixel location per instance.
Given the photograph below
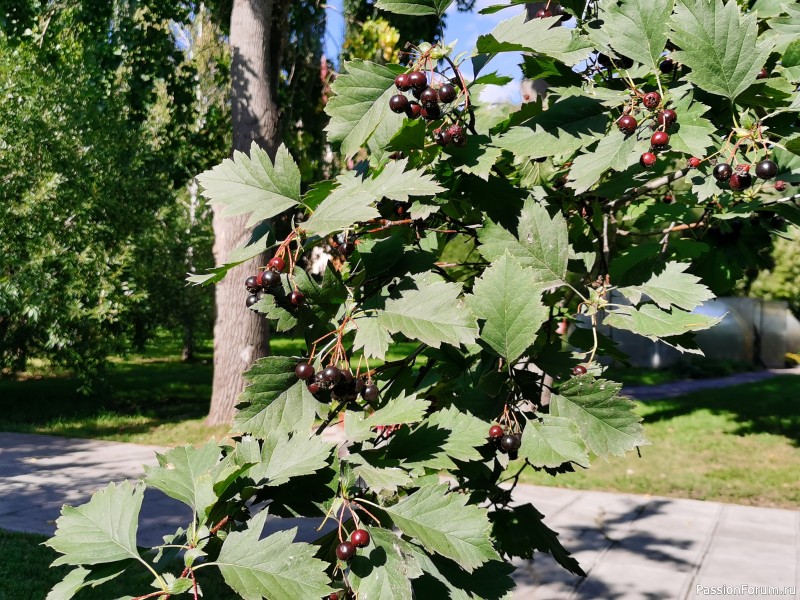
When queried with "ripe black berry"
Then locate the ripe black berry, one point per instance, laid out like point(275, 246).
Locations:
point(251, 283)
point(269, 279)
point(766, 169)
point(331, 374)
point(659, 139)
point(510, 443)
point(667, 117)
point(447, 93)
point(495, 432)
point(740, 180)
point(277, 263)
point(251, 299)
point(370, 392)
point(431, 113)
point(297, 298)
point(417, 80)
point(345, 551)
point(304, 371)
point(398, 103)
point(579, 370)
point(647, 160)
point(667, 65)
point(319, 377)
point(543, 13)
point(360, 538)
point(401, 82)
point(413, 110)
point(651, 99)
point(722, 172)
point(627, 124)
point(429, 97)
point(347, 248)
point(441, 137)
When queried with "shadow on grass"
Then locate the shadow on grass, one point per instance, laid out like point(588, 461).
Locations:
point(769, 406)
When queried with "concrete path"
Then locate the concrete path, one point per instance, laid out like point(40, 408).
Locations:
point(673, 389)
point(632, 547)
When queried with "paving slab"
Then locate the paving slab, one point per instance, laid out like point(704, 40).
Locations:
point(631, 546)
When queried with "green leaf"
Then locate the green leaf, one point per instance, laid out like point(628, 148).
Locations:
point(719, 45)
point(672, 287)
point(360, 104)
point(269, 377)
point(445, 579)
point(433, 314)
point(385, 568)
point(566, 126)
point(416, 8)
point(371, 337)
point(101, 531)
point(654, 323)
point(187, 474)
point(292, 410)
point(282, 319)
point(397, 411)
point(379, 479)
point(783, 30)
point(615, 151)
point(445, 524)
point(542, 243)
point(509, 301)
point(253, 184)
point(274, 568)
point(541, 36)
point(284, 457)
point(692, 133)
point(606, 421)
point(80, 578)
point(476, 158)
point(466, 434)
point(639, 29)
point(552, 442)
point(353, 200)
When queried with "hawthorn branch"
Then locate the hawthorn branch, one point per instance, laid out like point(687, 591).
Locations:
point(647, 187)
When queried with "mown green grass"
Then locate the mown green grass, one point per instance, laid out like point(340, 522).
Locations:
point(25, 574)
point(738, 444)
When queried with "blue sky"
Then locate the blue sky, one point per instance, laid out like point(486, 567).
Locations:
point(465, 27)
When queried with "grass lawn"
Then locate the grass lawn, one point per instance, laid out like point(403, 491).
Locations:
point(25, 574)
point(739, 445)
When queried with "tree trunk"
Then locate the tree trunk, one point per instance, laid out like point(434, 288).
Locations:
point(240, 335)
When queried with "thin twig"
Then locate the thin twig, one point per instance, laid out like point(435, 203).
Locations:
point(647, 187)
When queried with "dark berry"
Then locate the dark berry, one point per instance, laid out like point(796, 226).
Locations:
point(417, 80)
point(398, 103)
point(304, 371)
point(347, 248)
point(647, 160)
point(360, 538)
point(331, 374)
point(667, 199)
point(441, 137)
point(297, 298)
point(579, 370)
point(780, 185)
point(457, 134)
point(447, 93)
point(651, 99)
point(543, 13)
point(766, 169)
point(251, 299)
point(269, 279)
point(314, 387)
point(431, 113)
point(345, 551)
point(429, 97)
point(495, 432)
point(277, 263)
point(659, 139)
point(401, 82)
point(251, 283)
point(667, 65)
point(667, 117)
point(510, 443)
point(370, 392)
point(762, 74)
point(413, 110)
point(740, 181)
point(627, 124)
point(347, 375)
point(694, 162)
point(722, 172)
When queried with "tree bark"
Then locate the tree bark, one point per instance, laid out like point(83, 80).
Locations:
point(240, 335)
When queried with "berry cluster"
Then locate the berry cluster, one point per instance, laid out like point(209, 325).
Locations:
point(504, 441)
point(269, 282)
point(341, 383)
point(345, 246)
point(663, 120)
point(347, 550)
point(740, 178)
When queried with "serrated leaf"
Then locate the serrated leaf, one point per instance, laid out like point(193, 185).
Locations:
point(692, 133)
point(654, 323)
point(542, 243)
point(282, 319)
point(615, 151)
point(385, 568)
point(101, 531)
point(416, 8)
point(253, 184)
point(541, 36)
point(186, 474)
point(80, 578)
point(509, 301)
point(672, 287)
point(284, 457)
point(380, 479)
point(293, 410)
point(566, 126)
point(371, 337)
point(274, 568)
point(783, 30)
point(606, 421)
point(445, 524)
point(433, 314)
point(467, 433)
point(552, 442)
point(360, 104)
point(397, 411)
point(446, 579)
point(719, 44)
point(639, 29)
